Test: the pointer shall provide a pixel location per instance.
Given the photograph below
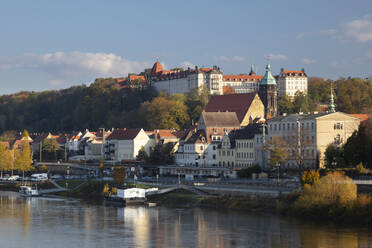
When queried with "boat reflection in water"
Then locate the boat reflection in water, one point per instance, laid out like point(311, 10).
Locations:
point(24, 222)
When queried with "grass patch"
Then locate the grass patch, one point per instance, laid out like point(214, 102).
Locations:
point(180, 197)
point(71, 184)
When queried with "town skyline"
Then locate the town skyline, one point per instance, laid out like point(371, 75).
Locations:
point(58, 45)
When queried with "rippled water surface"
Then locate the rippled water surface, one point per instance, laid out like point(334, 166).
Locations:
point(46, 222)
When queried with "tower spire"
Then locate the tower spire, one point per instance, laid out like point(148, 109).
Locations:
point(332, 108)
point(252, 70)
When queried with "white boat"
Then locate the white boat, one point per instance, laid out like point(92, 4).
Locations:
point(132, 196)
point(28, 191)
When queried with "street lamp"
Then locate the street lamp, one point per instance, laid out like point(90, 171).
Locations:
point(278, 165)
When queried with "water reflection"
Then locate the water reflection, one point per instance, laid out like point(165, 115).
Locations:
point(46, 222)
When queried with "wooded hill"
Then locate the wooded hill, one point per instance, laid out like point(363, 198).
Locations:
point(105, 104)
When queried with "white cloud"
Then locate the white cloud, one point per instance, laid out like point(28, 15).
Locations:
point(308, 61)
point(275, 56)
point(360, 29)
point(68, 66)
point(187, 64)
point(230, 59)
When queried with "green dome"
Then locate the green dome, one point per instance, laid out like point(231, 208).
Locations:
point(268, 78)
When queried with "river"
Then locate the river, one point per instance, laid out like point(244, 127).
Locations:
point(54, 222)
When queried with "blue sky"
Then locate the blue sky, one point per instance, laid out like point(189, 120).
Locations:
point(56, 44)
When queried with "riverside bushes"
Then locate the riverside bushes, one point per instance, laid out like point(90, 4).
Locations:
point(334, 197)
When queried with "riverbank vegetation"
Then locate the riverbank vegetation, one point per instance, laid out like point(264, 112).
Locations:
point(333, 198)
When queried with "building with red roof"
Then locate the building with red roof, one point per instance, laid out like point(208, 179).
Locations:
point(291, 81)
point(124, 144)
point(179, 81)
point(247, 106)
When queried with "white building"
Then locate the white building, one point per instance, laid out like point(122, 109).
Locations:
point(124, 144)
point(242, 148)
point(182, 81)
point(243, 83)
point(289, 82)
point(307, 136)
point(199, 147)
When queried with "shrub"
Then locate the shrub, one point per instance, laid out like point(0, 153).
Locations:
point(43, 168)
point(249, 171)
point(310, 177)
point(360, 169)
point(334, 190)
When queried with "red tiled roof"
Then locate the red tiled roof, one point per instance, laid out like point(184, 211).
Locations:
point(242, 77)
point(137, 77)
point(124, 134)
point(119, 80)
point(362, 117)
point(156, 68)
point(61, 139)
point(293, 73)
point(238, 103)
point(179, 134)
point(41, 137)
point(205, 70)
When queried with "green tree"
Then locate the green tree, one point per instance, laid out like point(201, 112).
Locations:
point(119, 175)
point(285, 105)
point(23, 158)
point(50, 146)
point(164, 113)
point(162, 154)
point(5, 159)
point(302, 103)
point(25, 134)
point(277, 150)
point(101, 167)
point(142, 155)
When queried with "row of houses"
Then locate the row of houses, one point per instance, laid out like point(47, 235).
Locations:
point(231, 134)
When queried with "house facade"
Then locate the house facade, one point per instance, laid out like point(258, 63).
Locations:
point(182, 81)
point(124, 144)
point(307, 136)
point(290, 82)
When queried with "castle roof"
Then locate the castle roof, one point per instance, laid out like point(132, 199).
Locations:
point(238, 103)
point(242, 78)
point(268, 78)
point(220, 119)
point(156, 68)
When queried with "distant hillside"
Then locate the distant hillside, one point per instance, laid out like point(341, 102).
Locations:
point(102, 104)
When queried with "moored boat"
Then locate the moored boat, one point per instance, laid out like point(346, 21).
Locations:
point(28, 191)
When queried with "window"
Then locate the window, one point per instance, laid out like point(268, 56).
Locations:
point(201, 147)
point(338, 125)
point(214, 156)
point(214, 147)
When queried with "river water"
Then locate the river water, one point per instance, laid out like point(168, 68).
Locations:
point(52, 223)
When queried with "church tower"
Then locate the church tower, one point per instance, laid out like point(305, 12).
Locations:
point(269, 94)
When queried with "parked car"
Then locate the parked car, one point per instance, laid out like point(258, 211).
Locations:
point(56, 177)
point(39, 177)
point(14, 178)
